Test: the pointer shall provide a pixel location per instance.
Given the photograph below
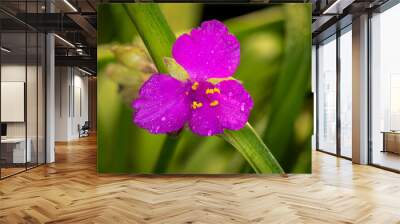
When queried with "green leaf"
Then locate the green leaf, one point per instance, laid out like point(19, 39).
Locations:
point(175, 70)
point(111, 17)
point(292, 85)
point(253, 149)
point(255, 21)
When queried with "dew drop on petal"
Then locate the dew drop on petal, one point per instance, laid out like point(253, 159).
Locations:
point(242, 107)
point(163, 119)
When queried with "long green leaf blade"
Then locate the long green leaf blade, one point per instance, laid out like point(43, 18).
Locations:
point(292, 85)
point(250, 145)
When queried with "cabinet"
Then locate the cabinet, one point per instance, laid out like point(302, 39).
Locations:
point(391, 142)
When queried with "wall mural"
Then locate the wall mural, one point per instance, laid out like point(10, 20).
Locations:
point(204, 88)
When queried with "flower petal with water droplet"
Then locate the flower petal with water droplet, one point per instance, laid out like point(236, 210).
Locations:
point(234, 106)
point(209, 51)
point(203, 121)
point(162, 105)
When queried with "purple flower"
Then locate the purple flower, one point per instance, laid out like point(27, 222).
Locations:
point(166, 104)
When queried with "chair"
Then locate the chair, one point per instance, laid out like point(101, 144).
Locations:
point(84, 130)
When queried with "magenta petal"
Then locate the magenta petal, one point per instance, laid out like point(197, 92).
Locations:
point(162, 105)
point(235, 104)
point(208, 52)
point(204, 122)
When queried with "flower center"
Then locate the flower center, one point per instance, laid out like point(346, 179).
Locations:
point(204, 93)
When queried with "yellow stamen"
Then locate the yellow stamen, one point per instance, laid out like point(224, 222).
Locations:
point(209, 91)
point(214, 103)
point(195, 85)
point(196, 104)
point(212, 91)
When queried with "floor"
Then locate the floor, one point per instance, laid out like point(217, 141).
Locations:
point(70, 191)
point(5, 172)
point(10, 171)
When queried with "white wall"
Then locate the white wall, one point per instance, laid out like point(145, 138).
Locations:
point(71, 102)
point(13, 73)
point(62, 81)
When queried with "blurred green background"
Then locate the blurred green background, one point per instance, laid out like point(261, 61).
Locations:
point(275, 68)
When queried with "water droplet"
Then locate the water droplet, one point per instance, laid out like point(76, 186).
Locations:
point(242, 107)
point(209, 133)
point(163, 119)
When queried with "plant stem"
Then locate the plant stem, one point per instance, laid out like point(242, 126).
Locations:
point(166, 153)
point(154, 31)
